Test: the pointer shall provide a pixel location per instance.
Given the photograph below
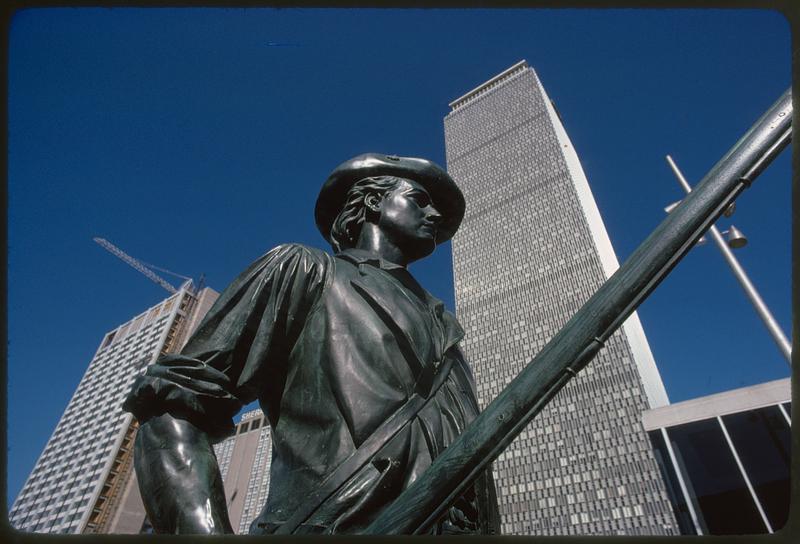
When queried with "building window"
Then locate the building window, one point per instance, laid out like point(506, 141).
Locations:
point(762, 441)
point(715, 483)
point(108, 339)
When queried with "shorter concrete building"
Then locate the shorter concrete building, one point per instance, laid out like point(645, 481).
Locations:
point(725, 459)
point(82, 478)
point(244, 460)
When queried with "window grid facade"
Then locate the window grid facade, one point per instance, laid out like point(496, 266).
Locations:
point(237, 450)
point(530, 251)
point(258, 483)
point(82, 462)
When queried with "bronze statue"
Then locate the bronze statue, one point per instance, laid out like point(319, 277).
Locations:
point(355, 365)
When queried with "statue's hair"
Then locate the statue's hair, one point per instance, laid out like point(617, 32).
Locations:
point(347, 225)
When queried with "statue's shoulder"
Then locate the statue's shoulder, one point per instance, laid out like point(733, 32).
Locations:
point(308, 256)
point(300, 250)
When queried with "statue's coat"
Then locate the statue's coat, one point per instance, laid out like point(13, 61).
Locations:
point(331, 346)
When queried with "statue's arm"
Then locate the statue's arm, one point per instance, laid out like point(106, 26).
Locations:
point(179, 478)
point(221, 368)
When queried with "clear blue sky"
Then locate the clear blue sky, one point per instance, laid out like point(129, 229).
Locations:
point(197, 140)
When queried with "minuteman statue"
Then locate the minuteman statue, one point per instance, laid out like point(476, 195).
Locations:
point(355, 365)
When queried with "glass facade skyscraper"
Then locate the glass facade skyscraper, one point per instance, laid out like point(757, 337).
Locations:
point(531, 250)
point(83, 476)
point(727, 458)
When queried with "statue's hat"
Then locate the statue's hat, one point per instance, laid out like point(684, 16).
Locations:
point(444, 192)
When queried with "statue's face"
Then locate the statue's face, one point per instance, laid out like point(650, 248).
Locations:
point(409, 220)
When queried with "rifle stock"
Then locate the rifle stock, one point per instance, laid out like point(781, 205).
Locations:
point(583, 336)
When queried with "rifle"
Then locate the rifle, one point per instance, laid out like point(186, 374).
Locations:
point(571, 349)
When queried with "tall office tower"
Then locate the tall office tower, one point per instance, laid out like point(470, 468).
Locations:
point(531, 250)
point(82, 476)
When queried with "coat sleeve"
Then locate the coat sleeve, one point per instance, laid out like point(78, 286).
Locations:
point(239, 352)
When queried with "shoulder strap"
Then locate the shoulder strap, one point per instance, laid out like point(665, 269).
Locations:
point(364, 453)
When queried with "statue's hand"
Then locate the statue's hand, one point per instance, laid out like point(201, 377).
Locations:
point(179, 478)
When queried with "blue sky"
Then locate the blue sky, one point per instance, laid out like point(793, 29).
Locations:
point(197, 140)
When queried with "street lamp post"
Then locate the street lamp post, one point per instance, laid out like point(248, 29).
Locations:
point(766, 316)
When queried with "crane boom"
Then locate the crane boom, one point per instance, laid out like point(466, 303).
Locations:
point(136, 264)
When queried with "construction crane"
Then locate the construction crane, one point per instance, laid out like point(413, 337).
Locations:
point(142, 267)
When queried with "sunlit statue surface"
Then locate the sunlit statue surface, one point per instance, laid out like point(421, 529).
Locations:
point(355, 365)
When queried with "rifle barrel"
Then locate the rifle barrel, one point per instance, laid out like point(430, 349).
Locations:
point(419, 506)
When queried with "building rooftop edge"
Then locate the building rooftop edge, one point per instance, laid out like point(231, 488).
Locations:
point(717, 404)
point(250, 414)
point(458, 101)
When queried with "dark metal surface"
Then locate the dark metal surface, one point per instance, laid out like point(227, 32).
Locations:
point(364, 454)
point(583, 336)
point(167, 452)
point(437, 182)
point(355, 365)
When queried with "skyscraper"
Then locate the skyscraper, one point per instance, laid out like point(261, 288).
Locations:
point(531, 250)
point(84, 472)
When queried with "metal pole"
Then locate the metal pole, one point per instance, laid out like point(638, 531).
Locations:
point(745, 477)
point(571, 349)
point(682, 482)
point(761, 308)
